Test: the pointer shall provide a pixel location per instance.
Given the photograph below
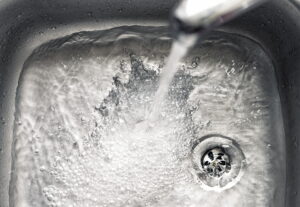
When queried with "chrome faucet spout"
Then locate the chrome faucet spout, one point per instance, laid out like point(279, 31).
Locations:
point(197, 15)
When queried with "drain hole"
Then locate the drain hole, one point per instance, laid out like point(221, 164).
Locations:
point(206, 163)
point(211, 155)
point(218, 162)
point(215, 162)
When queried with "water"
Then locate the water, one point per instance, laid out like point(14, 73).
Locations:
point(81, 106)
point(179, 49)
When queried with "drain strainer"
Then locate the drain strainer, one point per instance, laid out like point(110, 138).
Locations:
point(218, 162)
point(215, 162)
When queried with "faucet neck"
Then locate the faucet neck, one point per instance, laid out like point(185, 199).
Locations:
point(201, 15)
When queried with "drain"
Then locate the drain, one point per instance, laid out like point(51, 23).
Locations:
point(218, 162)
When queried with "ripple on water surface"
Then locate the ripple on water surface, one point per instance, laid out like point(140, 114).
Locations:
point(80, 138)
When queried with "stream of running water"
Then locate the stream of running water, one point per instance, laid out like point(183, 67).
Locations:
point(179, 49)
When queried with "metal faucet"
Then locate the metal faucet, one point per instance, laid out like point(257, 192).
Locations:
point(192, 16)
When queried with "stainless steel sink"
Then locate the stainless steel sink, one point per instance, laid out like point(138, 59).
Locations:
point(236, 95)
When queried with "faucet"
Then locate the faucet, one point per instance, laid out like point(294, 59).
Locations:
point(193, 16)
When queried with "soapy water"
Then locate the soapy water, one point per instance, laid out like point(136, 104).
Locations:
point(81, 106)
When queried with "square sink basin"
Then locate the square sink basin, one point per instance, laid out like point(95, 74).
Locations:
point(78, 81)
point(81, 99)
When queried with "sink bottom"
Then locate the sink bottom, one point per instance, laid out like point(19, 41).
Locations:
point(80, 137)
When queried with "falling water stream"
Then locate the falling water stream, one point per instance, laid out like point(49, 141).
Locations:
point(179, 49)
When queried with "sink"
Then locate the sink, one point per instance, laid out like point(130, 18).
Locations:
point(78, 79)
